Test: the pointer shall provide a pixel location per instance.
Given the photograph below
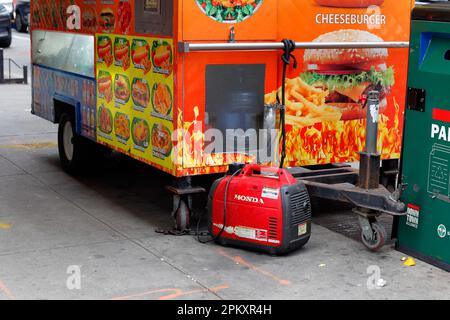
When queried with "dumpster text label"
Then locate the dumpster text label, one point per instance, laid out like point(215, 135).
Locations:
point(440, 132)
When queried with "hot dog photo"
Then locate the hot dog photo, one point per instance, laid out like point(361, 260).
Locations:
point(104, 50)
point(122, 53)
point(105, 86)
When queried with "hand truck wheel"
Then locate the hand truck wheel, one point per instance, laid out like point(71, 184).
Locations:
point(378, 239)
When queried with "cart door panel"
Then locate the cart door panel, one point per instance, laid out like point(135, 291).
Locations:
point(201, 22)
point(225, 90)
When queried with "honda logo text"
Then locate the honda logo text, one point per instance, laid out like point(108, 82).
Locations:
point(248, 199)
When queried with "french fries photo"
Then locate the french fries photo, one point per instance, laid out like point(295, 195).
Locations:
point(305, 104)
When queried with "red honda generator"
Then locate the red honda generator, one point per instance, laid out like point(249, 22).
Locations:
point(260, 208)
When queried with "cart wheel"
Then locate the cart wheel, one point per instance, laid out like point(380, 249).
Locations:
point(182, 217)
point(379, 237)
point(72, 148)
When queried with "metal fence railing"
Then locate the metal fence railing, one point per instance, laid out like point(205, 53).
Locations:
point(7, 74)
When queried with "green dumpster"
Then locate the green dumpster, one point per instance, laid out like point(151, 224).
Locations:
point(425, 172)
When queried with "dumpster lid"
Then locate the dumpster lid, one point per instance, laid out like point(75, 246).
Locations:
point(438, 11)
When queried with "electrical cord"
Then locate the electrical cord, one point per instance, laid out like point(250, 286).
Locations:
point(215, 238)
point(289, 48)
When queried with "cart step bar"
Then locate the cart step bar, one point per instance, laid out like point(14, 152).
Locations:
point(246, 46)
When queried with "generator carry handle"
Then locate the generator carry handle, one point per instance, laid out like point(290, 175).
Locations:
point(257, 170)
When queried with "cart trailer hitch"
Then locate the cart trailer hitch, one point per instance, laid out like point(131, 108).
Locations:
point(359, 188)
point(379, 200)
point(343, 185)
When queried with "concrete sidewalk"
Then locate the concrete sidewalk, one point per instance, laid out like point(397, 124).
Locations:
point(103, 224)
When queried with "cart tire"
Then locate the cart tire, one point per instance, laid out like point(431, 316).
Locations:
point(380, 235)
point(73, 150)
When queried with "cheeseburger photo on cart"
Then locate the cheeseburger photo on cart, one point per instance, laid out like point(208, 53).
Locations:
point(349, 74)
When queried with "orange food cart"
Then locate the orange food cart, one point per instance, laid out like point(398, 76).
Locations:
point(149, 78)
